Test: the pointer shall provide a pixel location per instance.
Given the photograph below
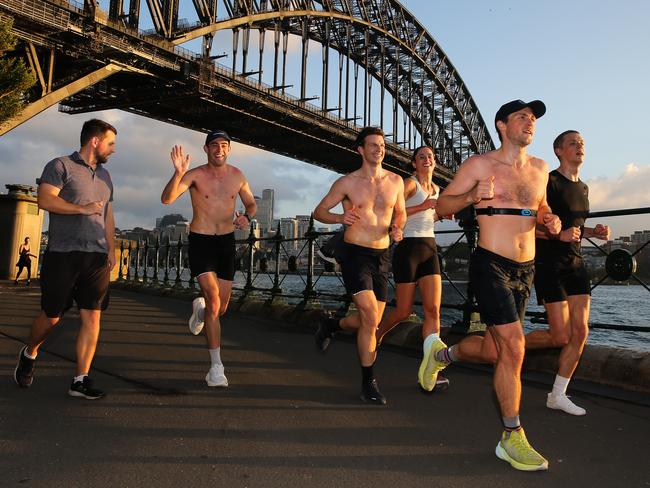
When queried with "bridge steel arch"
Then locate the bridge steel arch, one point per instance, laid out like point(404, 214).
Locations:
point(89, 60)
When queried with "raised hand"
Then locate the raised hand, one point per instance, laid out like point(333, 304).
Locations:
point(92, 208)
point(484, 190)
point(180, 161)
point(572, 234)
point(553, 223)
point(351, 216)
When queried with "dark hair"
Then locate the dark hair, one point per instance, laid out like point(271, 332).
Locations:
point(496, 127)
point(498, 132)
point(95, 128)
point(417, 150)
point(560, 139)
point(365, 132)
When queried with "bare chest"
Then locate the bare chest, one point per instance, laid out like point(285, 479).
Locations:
point(518, 187)
point(211, 189)
point(376, 197)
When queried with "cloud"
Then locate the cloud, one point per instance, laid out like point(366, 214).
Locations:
point(626, 190)
point(141, 166)
point(629, 189)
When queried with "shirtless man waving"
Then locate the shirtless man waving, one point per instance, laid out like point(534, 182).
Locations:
point(213, 188)
point(508, 189)
point(374, 211)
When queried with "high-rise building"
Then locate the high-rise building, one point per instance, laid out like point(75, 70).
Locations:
point(289, 230)
point(265, 205)
point(303, 224)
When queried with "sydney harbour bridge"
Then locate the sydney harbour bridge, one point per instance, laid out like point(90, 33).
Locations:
point(294, 77)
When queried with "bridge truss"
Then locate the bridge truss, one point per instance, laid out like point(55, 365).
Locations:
point(371, 63)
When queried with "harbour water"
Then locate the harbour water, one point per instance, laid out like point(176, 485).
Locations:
point(618, 305)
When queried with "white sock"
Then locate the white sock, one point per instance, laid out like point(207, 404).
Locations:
point(560, 385)
point(215, 356)
point(428, 342)
point(80, 378)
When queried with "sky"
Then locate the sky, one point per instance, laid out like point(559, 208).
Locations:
point(588, 61)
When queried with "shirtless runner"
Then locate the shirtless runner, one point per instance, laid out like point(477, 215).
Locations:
point(213, 188)
point(508, 190)
point(373, 205)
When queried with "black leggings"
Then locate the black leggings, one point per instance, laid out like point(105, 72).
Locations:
point(29, 271)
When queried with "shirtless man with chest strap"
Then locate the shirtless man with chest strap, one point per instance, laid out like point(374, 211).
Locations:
point(508, 190)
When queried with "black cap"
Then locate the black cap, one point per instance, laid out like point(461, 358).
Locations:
point(216, 134)
point(537, 106)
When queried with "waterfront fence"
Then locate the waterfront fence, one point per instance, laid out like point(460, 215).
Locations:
point(263, 265)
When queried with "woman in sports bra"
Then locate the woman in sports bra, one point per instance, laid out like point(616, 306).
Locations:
point(415, 263)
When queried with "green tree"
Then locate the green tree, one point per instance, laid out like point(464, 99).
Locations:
point(15, 76)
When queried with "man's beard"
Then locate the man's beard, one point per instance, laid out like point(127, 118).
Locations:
point(100, 158)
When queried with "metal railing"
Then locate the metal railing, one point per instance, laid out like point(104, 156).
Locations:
point(163, 263)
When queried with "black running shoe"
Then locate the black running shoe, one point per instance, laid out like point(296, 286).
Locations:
point(370, 393)
point(84, 389)
point(324, 332)
point(24, 372)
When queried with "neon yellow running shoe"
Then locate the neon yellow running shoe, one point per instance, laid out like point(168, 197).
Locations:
point(515, 449)
point(430, 366)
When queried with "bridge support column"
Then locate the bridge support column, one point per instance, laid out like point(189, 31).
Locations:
point(56, 96)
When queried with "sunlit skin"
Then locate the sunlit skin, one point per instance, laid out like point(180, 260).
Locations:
point(507, 177)
point(214, 188)
point(568, 320)
point(430, 286)
point(373, 203)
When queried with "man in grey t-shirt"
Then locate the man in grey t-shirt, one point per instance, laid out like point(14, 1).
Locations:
point(77, 192)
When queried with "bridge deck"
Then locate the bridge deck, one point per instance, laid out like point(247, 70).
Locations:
point(291, 417)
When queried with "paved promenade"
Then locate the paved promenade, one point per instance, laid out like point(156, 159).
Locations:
point(291, 416)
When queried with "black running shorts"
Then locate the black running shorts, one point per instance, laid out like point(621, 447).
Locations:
point(558, 278)
point(82, 277)
point(212, 254)
point(501, 286)
point(415, 257)
point(364, 268)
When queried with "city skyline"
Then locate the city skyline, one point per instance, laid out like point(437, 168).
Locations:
point(638, 236)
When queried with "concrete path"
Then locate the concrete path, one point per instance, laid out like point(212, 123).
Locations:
point(291, 417)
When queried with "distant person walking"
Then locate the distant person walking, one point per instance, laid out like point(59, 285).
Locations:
point(373, 210)
point(415, 263)
point(77, 191)
point(561, 279)
point(508, 190)
point(24, 261)
point(213, 187)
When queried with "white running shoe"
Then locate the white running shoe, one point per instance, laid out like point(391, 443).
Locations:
point(562, 402)
point(198, 311)
point(216, 376)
